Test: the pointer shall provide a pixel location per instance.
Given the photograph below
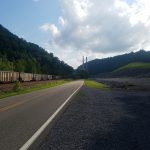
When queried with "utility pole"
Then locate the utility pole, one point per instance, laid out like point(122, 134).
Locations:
point(83, 64)
point(86, 64)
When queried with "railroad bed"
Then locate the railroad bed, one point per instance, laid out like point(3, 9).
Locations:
point(9, 86)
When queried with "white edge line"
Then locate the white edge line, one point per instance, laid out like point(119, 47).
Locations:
point(42, 128)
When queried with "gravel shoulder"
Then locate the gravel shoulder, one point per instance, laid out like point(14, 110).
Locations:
point(131, 84)
point(102, 120)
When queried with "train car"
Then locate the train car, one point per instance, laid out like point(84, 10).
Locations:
point(37, 77)
point(8, 76)
point(57, 77)
point(50, 77)
point(26, 76)
point(44, 77)
point(11, 76)
point(53, 77)
point(15, 76)
point(4, 76)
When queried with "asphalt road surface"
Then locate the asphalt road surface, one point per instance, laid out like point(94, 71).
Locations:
point(102, 120)
point(21, 116)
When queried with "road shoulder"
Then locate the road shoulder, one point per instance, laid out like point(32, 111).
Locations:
point(98, 119)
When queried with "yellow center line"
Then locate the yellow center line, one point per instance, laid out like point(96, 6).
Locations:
point(5, 108)
point(19, 103)
point(11, 106)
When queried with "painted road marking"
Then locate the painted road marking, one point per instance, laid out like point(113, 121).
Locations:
point(11, 106)
point(22, 102)
point(43, 127)
point(19, 103)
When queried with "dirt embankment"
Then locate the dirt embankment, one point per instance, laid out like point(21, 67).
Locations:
point(9, 86)
point(133, 84)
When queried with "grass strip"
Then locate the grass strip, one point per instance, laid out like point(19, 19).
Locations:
point(97, 85)
point(135, 65)
point(32, 89)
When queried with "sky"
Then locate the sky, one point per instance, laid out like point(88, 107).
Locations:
point(74, 28)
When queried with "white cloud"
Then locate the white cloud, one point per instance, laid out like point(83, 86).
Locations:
point(100, 28)
point(61, 21)
point(50, 27)
point(138, 12)
point(45, 27)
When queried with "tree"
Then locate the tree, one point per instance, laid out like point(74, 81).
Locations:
point(28, 57)
point(19, 67)
point(5, 64)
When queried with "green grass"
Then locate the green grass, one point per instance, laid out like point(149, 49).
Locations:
point(136, 65)
point(38, 87)
point(94, 84)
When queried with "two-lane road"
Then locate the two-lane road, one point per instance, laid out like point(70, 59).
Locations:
point(21, 116)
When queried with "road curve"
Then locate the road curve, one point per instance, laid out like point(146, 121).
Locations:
point(21, 116)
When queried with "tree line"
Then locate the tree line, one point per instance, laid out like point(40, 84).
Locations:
point(18, 55)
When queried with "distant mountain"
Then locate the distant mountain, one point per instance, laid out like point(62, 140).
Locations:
point(18, 55)
point(106, 65)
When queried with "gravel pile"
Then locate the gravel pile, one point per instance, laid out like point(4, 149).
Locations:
point(102, 120)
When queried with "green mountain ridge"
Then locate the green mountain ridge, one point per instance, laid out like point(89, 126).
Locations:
point(136, 65)
point(18, 55)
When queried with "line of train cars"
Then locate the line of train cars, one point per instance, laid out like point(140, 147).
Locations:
point(10, 76)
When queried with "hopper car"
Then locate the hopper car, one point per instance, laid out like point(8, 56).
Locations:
point(11, 76)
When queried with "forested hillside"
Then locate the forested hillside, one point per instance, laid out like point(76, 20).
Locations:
point(18, 55)
point(106, 65)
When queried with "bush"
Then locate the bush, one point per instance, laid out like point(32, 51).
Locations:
point(17, 86)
